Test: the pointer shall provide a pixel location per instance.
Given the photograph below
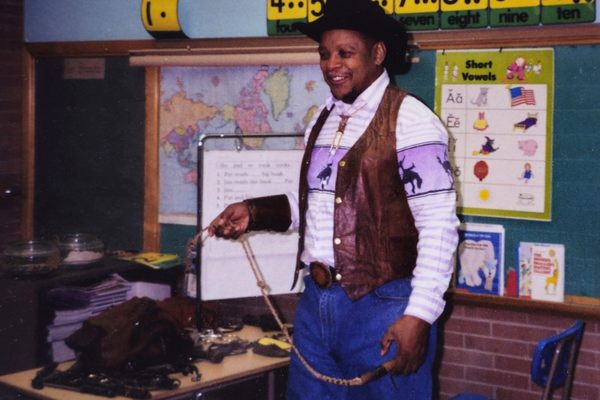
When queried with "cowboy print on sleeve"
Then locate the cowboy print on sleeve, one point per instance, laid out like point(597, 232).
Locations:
point(421, 142)
point(425, 169)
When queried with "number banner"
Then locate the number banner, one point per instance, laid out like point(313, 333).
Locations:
point(160, 19)
point(289, 9)
point(461, 14)
point(568, 11)
point(387, 5)
point(417, 6)
point(464, 5)
point(514, 12)
point(418, 15)
point(315, 9)
point(281, 15)
point(514, 3)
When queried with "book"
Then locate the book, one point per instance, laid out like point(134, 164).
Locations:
point(153, 259)
point(524, 260)
point(480, 259)
point(542, 271)
point(155, 291)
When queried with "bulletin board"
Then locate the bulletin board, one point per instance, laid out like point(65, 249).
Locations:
point(231, 169)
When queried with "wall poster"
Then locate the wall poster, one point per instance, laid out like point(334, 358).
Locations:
point(498, 108)
point(238, 99)
point(261, 166)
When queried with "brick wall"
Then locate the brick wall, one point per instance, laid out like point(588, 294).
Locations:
point(483, 350)
point(11, 37)
point(488, 351)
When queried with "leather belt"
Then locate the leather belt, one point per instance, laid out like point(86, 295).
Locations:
point(323, 275)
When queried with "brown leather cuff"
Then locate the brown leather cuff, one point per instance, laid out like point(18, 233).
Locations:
point(270, 213)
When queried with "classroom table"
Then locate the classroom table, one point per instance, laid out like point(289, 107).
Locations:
point(231, 369)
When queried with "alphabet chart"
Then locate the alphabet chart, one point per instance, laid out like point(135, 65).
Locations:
point(498, 109)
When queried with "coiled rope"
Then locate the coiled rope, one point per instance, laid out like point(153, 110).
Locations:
point(260, 282)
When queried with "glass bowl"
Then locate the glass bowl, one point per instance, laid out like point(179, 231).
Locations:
point(80, 248)
point(33, 257)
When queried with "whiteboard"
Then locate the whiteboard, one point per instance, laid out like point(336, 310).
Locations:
point(229, 176)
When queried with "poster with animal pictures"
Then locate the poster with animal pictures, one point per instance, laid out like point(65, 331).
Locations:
point(498, 108)
point(542, 271)
point(480, 259)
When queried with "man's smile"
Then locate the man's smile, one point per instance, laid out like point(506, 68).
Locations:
point(337, 78)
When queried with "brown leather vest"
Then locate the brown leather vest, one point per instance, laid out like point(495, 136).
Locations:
point(375, 238)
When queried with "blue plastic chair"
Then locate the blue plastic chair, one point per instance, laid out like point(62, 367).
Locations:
point(552, 364)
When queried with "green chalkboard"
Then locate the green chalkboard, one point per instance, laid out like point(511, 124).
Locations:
point(575, 170)
point(89, 151)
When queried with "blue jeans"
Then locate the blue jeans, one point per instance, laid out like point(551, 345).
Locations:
point(340, 338)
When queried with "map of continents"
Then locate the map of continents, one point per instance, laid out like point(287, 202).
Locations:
point(197, 101)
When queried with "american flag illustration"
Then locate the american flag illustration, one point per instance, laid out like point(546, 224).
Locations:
point(519, 95)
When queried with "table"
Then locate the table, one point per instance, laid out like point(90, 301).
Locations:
point(231, 369)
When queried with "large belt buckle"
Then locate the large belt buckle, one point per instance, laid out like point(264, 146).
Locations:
point(321, 274)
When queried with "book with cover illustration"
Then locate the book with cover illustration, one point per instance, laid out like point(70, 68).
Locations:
point(480, 259)
point(524, 260)
point(153, 259)
point(542, 271)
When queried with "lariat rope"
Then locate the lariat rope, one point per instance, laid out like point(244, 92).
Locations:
point(357, 381)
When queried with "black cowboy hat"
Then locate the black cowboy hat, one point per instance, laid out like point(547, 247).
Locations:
point(364, 16)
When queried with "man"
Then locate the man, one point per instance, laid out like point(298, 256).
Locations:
point(376, 217)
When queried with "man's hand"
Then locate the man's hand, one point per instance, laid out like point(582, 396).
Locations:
point(232, 222)
point(411, 336)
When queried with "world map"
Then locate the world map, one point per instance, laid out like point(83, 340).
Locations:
point(199, 101)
